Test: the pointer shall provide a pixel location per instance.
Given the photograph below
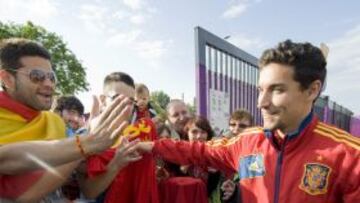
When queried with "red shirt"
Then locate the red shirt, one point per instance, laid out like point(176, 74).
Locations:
point(319, 164)
point(136, 183)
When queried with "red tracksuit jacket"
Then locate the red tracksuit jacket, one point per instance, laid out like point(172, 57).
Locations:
point(319, 164)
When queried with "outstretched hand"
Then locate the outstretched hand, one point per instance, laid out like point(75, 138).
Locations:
point(126, 152)
point(106, 127)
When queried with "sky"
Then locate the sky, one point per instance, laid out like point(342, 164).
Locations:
point(153, 40)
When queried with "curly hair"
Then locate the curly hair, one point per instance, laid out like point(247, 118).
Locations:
point(308, 61)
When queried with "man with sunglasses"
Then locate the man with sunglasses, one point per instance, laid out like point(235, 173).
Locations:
point(238, 122)
point(35, 158)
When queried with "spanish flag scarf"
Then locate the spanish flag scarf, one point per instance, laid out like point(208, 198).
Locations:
point(20, 123)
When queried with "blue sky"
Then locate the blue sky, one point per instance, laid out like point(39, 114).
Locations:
point(153, 40)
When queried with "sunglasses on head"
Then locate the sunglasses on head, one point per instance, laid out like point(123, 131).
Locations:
point(240, 125)
point(37, 75)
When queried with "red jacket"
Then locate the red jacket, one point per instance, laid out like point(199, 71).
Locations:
point(135, 183)
point(319, 164)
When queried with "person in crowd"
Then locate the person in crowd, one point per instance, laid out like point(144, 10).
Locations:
point(143, 107)
point(238, 122)
point(35, 158)
point(294, 157)
point(71, 110)
point(198, 129)
point(107, 180)
point(177, 114)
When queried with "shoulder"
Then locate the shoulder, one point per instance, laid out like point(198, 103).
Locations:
point(337, 135)
point(249, 133)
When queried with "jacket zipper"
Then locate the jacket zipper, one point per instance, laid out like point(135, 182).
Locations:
point(278, 172)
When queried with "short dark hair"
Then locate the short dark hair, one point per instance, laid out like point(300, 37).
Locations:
point(68, 103)
point(241, 114)
point(201, 123)
point(308, 61)
point(13, 49)
point(119, 77)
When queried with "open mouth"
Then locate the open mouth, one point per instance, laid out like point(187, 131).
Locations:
point(46, 96)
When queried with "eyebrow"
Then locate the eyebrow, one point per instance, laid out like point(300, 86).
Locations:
point(275, 85)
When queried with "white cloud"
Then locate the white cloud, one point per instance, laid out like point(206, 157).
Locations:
point(93, 17)
point(133, 4)
point(344, 69)
point(137, 19)
point(235, 10)
point(152, 51)
point(37, 11)
point(123, 38)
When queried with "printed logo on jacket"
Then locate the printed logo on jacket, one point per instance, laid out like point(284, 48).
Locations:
point(251, 166)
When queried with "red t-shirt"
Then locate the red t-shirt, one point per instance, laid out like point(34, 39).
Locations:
point(136, 183)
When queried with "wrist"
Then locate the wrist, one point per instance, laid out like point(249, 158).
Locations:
point(90, 145)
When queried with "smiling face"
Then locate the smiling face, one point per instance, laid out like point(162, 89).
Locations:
point(37, 95)
point(197, 134)
point(283, 103)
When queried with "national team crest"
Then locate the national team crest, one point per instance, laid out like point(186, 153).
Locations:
point(315, 179)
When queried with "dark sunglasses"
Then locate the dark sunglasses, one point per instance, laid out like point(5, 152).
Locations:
point(37, 76)
point(240, 125)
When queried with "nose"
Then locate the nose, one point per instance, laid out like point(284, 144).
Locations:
point(264, 100)
point(47, 82)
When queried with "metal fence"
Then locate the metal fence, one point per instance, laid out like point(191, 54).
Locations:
point(226, 80)
point(226, 71)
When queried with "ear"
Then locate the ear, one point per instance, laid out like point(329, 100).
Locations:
point(7, 79)
point(314, 90)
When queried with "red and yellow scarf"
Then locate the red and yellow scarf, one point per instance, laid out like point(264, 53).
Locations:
point(20, 123)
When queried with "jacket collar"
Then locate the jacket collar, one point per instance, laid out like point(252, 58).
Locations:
point(9, 104)
point(307, 124)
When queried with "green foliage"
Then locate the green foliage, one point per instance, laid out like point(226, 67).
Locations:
point(192, 108)
point(69, 70)
point(161, 98)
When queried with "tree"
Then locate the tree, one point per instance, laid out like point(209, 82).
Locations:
point(69, 70)
point(161, 98)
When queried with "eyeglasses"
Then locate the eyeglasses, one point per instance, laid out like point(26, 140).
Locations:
point(240, 125)
point(37, 75)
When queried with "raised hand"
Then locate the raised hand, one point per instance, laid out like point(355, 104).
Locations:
point(228, 187)
point(126, 152)
point(106, 127)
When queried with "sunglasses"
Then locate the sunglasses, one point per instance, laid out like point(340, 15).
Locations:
point(38, 76)
point(240, 125)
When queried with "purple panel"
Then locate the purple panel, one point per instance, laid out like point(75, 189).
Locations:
point(215, 80)
point(243, 94)
point(326, 114)
point(236, 93)
point(226, 83)
point(210, 81)
point(221, 81)
point(231, 96)
point(201, 90)
point(355, 126)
